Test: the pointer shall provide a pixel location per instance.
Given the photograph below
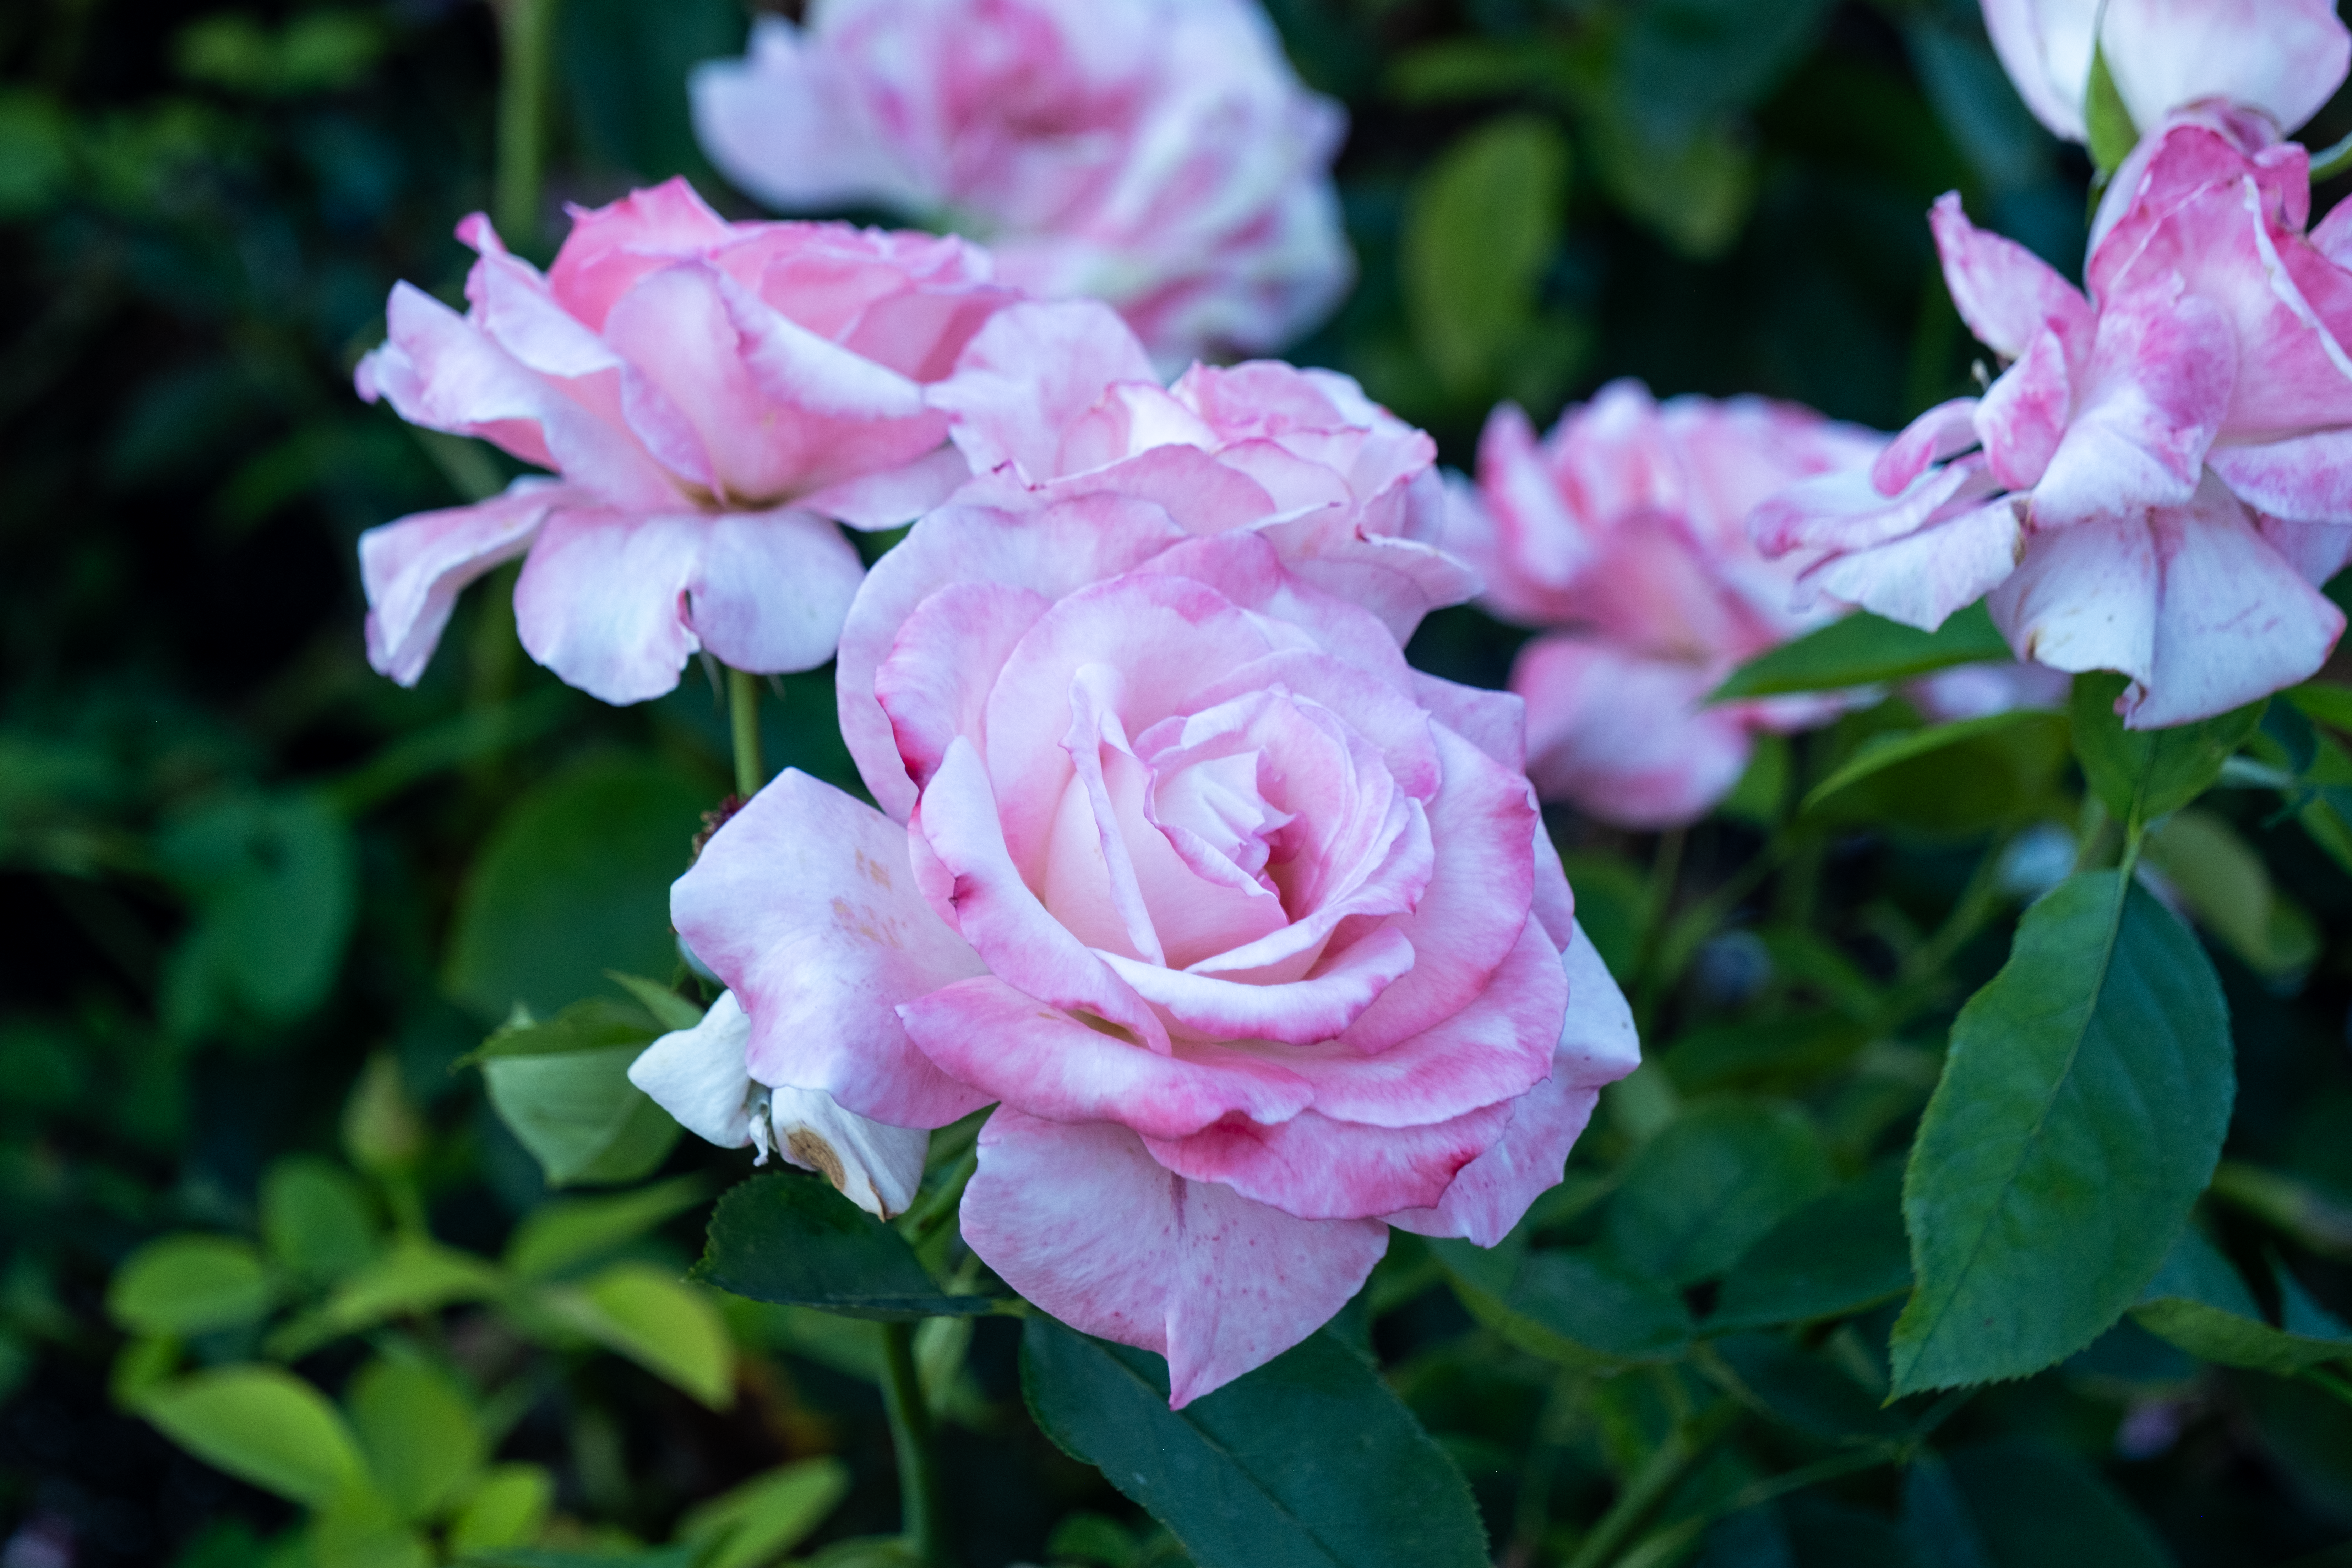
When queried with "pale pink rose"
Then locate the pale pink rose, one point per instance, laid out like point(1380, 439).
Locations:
point(1250, 933)
point(1622, 535)
point(712, 397)
point(2282, 57)
point(1160, 154)
point(2163, 472)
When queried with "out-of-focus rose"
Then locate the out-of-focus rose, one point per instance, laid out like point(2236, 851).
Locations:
point(1250, 931)
point(1160, 154)
point(700, 1075)
point(2282, 57)
point(1624, 535)
point(713, 397)
point(2164, 470)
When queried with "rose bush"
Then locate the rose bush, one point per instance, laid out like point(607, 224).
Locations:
point(713, 398)
point(2155, 483)
point(1251, 932)
point(1624, 534)
point(1160, 154)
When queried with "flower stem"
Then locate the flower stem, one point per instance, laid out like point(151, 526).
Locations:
point(744, 709)
point(1690, 1441)
point(525, 29)
point(911, 1435)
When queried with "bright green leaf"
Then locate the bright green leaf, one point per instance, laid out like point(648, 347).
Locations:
point(510, 1508)
point(177, 1286)
point(2142, 775)
point(381, 1130)
point(1841, 1252)
point(1308, 1461)
point(263, 1426)
point(424, 1444)
point(1708, 1187)
point(1480, 228)
point(662, 1323)
point(792, 1239)
point(574, 879)
point(2112, 134)
point(315, 1219)
point(768, 1515)
point(562, 1088)
point(412, 1277)
point(2081, 1113)
point(559, 1235)
point(669, 1009)
point(1864, 649)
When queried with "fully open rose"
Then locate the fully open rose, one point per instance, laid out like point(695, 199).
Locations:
point(714, 397)
point(1250, 933)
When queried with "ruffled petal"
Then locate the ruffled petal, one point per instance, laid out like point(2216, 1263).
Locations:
point(698, 1076)
point(770, 589)
point(601, 601)
point(415, 569)
point(873, 1164)
point(1027, 376)
point(2005, 293)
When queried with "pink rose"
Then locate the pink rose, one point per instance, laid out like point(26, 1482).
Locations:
point(1160, 154)
point(2282, 57)
point(1623, 536)
point(2164, 470)
point(713, 396)
point(1250, 933)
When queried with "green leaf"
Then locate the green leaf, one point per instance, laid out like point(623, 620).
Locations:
point(1794, 1047)
point(2112, 133)
point(669, 1009)
point(1841, 1253)
point(412, 1277)
point(2080, 1113)
point(574, 879)
point(510, 1508)
point(2035, 1505)
point(2228, 888)
point(1479, 230)
point(382, 1132)
point(1807, 1391)
point(2007, 769)
point(1864, 649)
point(179, 1286)
point(418, 1431)
point(2325, 701)
point(2197, 1303)
point(36, 157)
point(768, 1515)
point(1577, 1306)
point(662, 1323)
point(562, 1088)
point(1708, 1187)
point(561, 1234)
point(315, 1219)
point(265, 1426)
point(1308, 1461)
point(1883, 752)
point(273, 885)
point(792, 1239)
point(2142, 775)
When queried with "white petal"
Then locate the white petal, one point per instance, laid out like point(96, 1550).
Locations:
point(696, 1075)
point(876, 1166)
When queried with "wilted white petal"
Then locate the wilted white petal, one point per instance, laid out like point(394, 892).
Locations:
point(876, 1166)
point(696, 1075)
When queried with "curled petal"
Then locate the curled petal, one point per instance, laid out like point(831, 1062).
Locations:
point(1944, 431)
point(2158, 386)
point(601, 601)
point(2005, 293)
point(873, 1164)
point(2305, 477)
point(804, 904)
point(1316, 1167)
point(1029, 374)
point(698, 1075)
point(415, 569)
point(1626, 738)
point(2023, 416)
point(1922, 578)
point(1082, 1221)
point(2285, 58)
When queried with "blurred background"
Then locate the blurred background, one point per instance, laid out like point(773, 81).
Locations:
point(262, 903)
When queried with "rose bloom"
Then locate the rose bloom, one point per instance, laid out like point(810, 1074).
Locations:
point(1160, 154)
point(2280, 57)
point(1622, 535)
point(1249, 931)
point(2164, 470)
point(712, 397)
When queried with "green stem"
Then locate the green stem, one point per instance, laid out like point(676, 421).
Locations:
point(1671, 1543)
point(1660, 1474)
point(2330, 162)
point(2300, 1212)
point(744, 709)
point(2333, 1383)
point(911, 1435)
point(525, 28)
point(1975, 905)
point(937, 1206)
point(1553, 1429)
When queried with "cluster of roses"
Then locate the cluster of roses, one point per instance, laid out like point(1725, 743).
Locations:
point(1250, 934)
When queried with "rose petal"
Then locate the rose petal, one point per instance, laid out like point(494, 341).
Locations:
point(698, 1076)
point(415, 569)
point(770, 589)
